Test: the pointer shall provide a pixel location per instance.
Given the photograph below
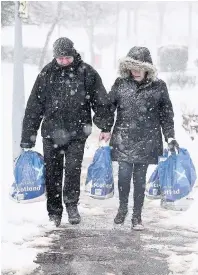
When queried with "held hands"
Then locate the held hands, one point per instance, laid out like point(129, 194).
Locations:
point(104, 136)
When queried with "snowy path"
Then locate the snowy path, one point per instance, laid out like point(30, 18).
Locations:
point(98, 247)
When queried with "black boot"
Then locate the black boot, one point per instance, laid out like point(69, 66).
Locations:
point(122, 212)
point(55, 219)
point(137, 222)
point(73, 214)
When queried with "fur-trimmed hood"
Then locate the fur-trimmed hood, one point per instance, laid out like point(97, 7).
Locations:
point(138, 58)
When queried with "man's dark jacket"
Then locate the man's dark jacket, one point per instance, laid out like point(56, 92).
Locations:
point(62, 98)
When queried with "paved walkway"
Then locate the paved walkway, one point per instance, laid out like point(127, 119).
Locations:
point(98, 247)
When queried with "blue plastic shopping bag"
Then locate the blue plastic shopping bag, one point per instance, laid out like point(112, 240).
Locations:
point(100, 182)
point(177, 176)
point(29, 174)
point(153, 186)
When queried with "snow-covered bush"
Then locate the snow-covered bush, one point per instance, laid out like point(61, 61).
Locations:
point(172, 58)
point(182, 79)
point(190, 121)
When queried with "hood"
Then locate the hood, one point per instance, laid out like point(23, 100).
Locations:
point(138, 58)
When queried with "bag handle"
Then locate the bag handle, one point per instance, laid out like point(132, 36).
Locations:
point(102, 143)
point(176, 150)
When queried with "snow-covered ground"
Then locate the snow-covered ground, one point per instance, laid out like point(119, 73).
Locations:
point(24, 225)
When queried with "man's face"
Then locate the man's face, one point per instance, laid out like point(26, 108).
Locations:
point(138, 75)
point(64, 60)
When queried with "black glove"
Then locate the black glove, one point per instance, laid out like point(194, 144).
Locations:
point(173, 144)
point(26, 145)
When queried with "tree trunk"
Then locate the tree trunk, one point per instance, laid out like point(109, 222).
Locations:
point(135, 25)
point(128, 27)
point(190, 21)
point(90, 32)
point(162, 11)
point(116, 35)
point(18, 87)
point(44, 51)
point(50, 32)
point(190, 50)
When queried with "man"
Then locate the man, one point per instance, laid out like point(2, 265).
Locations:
point(63, 95)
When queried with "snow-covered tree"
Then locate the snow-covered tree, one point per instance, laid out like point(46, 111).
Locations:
point(161, 7)
point(92, 14)
point(7, 13)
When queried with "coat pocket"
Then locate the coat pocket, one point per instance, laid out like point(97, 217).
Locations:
point(120, 138)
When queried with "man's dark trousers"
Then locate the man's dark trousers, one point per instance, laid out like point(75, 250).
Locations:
point(61, 159)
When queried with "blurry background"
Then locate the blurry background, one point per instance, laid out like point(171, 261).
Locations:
point(103, 32)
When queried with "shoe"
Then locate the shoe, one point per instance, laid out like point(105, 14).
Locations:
point(73, 214)
point(55, 219)
point(137, 224)
point(121, 215)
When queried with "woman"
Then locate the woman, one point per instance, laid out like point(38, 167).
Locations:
point(143, 109)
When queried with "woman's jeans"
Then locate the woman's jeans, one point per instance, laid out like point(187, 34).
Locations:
point(139, 181)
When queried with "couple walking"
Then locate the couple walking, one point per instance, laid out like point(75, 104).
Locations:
point(65, 92)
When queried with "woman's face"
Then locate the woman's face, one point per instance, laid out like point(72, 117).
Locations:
point(64, 60)
point(138, 75)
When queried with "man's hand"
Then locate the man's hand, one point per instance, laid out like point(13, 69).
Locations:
point(172, 144)
point(105, 136)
